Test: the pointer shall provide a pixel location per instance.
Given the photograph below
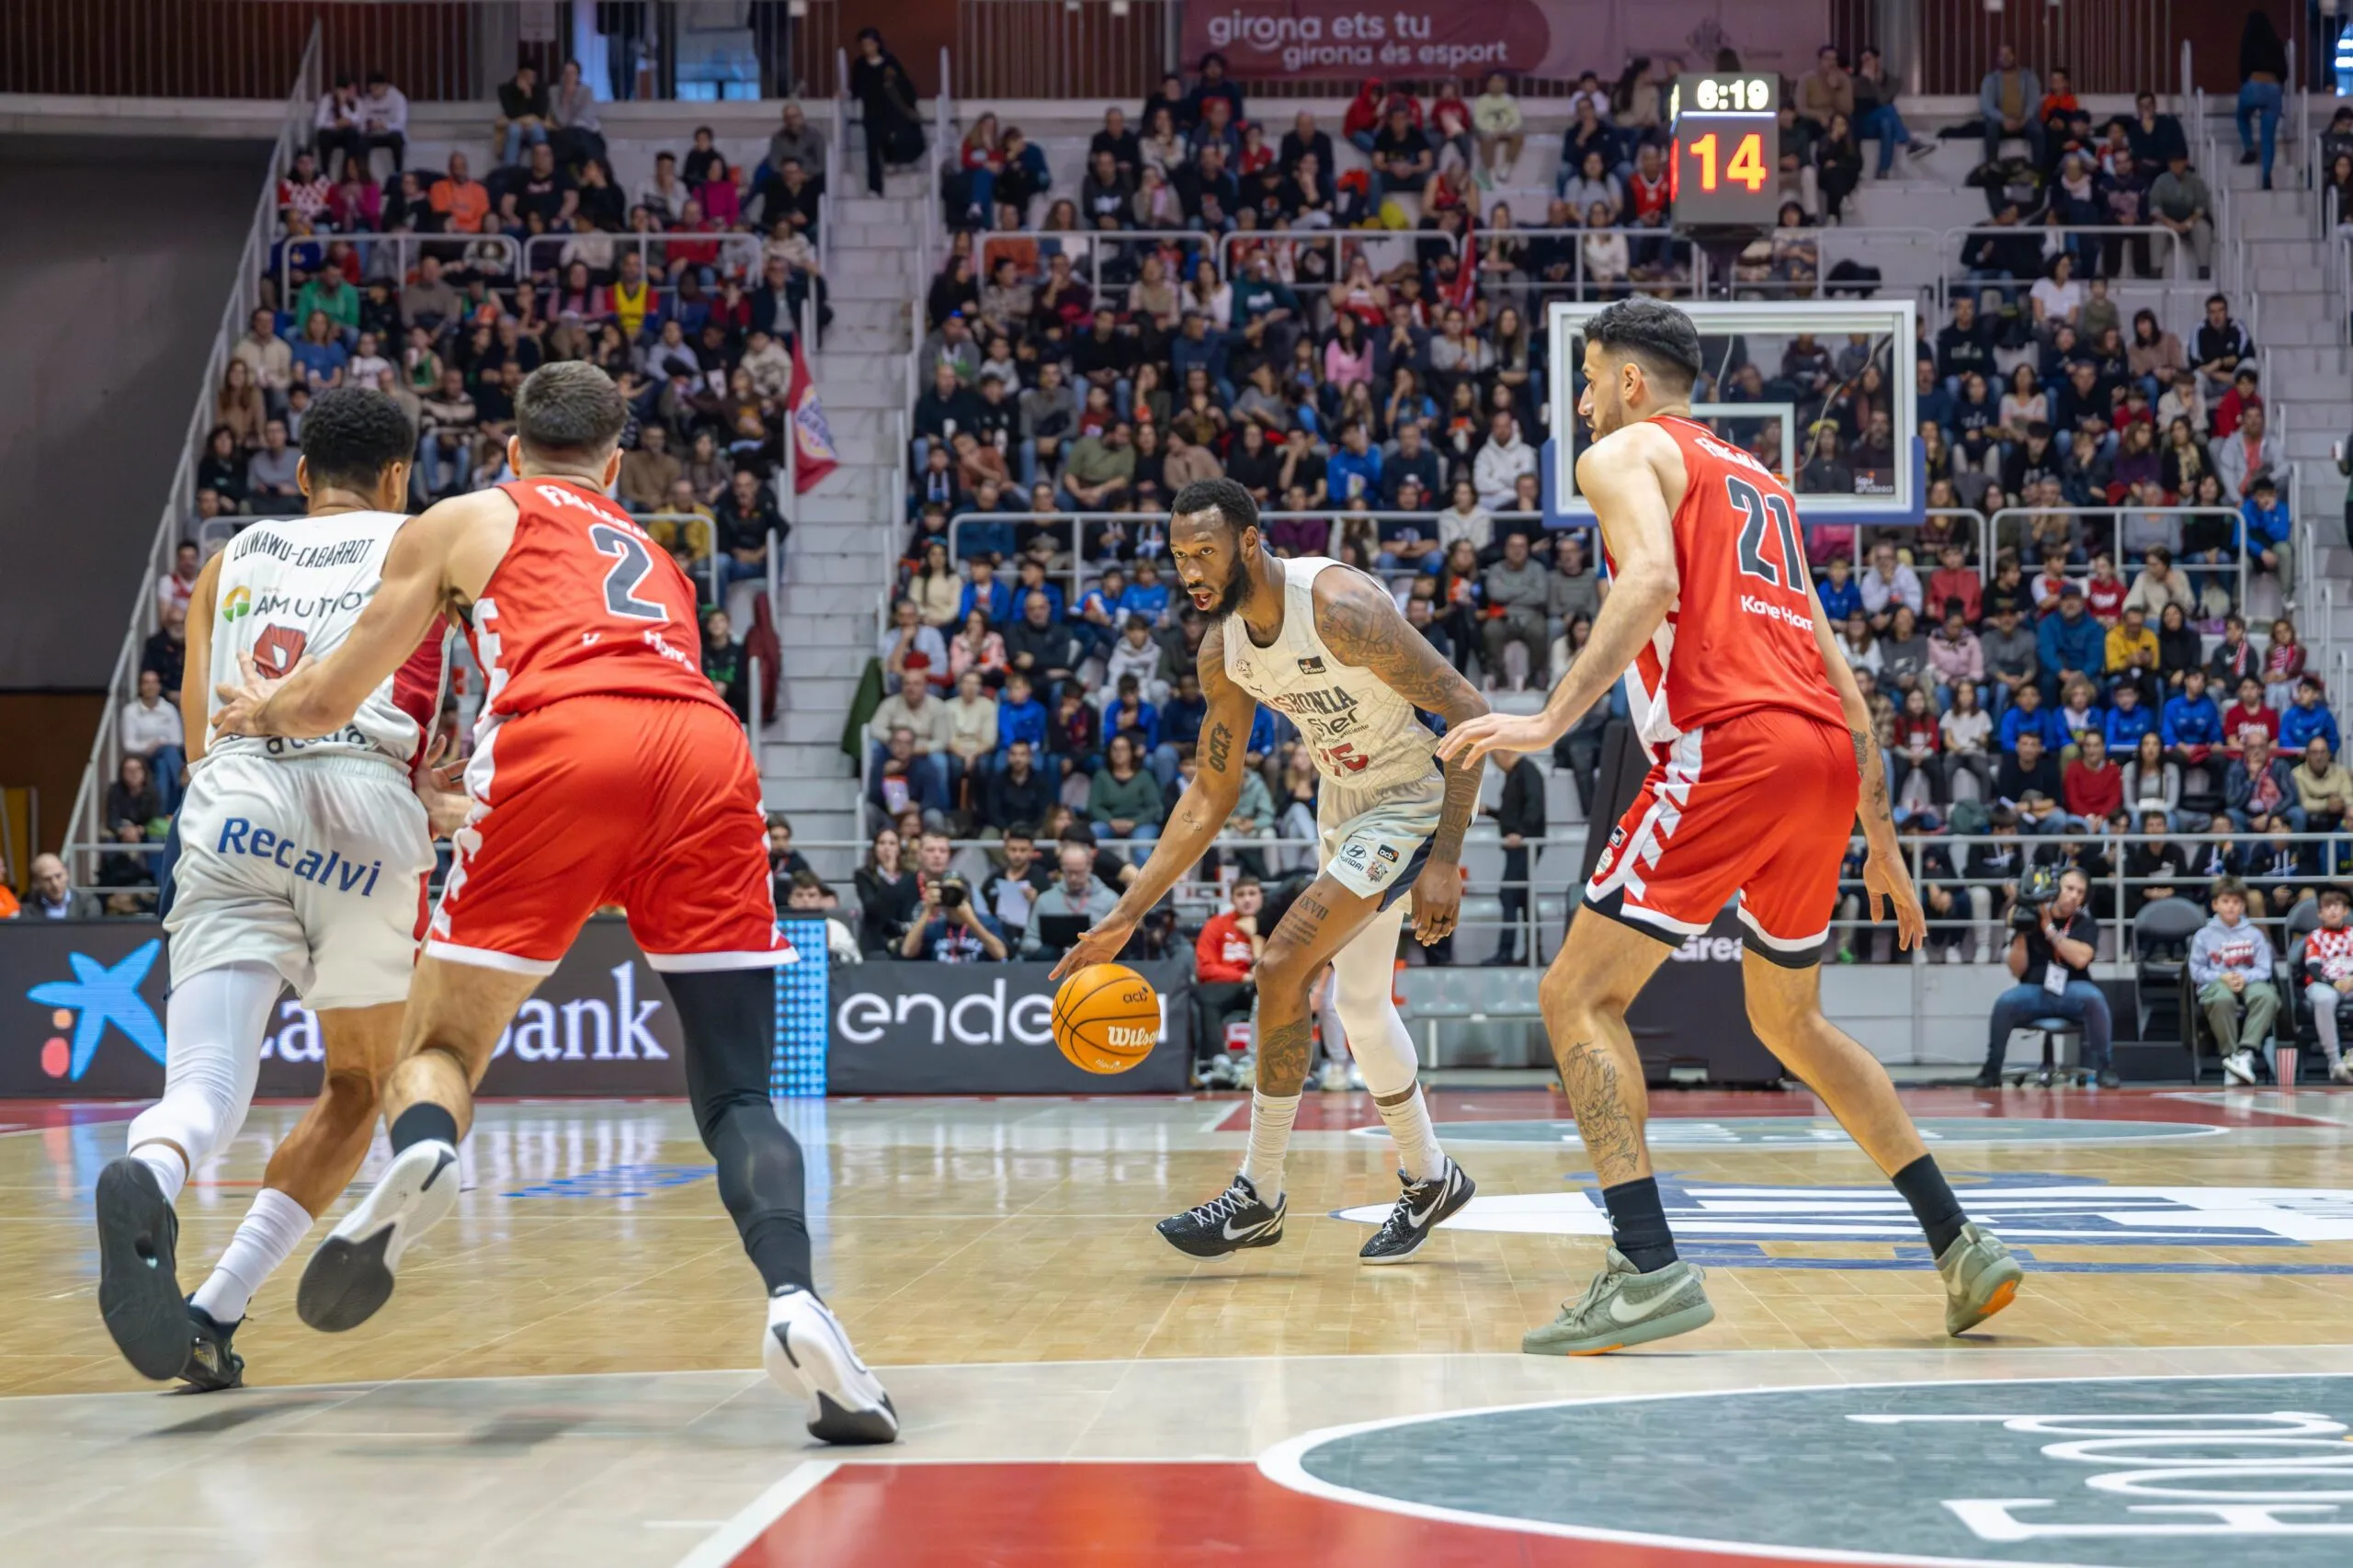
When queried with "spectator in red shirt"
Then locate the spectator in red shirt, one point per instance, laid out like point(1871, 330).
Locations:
point(1953, 580)
point(2230, 409)
point(2104, 595)
point(1226, 957)
point(2248, 716)
point(2093, 785)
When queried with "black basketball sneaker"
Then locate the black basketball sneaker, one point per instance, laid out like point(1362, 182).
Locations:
point(211, 1364)
point(138, 1291)
point(1421, 1208)
point(1235, 1219)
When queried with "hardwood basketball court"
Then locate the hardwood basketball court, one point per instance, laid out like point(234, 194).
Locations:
point(567, 1372)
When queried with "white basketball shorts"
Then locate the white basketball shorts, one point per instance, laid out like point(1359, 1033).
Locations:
point(313, 865)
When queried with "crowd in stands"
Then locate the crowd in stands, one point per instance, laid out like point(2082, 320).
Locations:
point(1091, 351)
point(688, 291)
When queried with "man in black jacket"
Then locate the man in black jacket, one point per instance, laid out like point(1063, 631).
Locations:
point(1964, 345)
point(945, 407)
point(1302, 139)
point(1042, 648)
point(1018, 792)
point(1520, 815)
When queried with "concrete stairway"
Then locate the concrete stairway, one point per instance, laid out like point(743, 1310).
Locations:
point(846, 532)
point(2286, 295)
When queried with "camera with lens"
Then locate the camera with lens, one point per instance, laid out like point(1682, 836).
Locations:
point(953, 892)
point(2037, 889)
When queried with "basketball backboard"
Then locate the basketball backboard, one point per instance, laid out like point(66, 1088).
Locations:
point(1810, 383)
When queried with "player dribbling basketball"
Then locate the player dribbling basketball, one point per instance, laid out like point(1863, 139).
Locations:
point(1324, 644)
point(1763, 746)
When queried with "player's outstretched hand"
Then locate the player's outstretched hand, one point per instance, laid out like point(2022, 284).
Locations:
point(241, 704)
point(1886, 877)
point(1468, 743)
point(1100, 945)
point(1437, 902)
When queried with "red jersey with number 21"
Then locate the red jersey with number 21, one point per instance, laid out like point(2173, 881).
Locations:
point(583, 604)
point(1740, 633)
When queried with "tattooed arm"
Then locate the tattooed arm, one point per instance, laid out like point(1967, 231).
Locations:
point(1625, 475)
point(1199, 815)
point(1359, 621)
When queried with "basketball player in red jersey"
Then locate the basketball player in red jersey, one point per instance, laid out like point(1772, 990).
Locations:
point(1763, 747)
point(605, 770)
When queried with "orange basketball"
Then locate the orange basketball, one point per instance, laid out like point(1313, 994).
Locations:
point(1105, 1017)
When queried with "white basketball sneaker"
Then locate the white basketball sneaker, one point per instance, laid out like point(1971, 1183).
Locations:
point(351, 1274)
point(806, 1353)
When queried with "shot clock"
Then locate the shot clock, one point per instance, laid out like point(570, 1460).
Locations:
point(1727, 150)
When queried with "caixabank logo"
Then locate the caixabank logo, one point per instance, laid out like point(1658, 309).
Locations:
point(99, 998)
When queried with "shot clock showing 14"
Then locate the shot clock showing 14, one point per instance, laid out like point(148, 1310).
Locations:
point(1727, 145)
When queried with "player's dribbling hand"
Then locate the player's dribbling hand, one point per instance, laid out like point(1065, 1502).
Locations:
point(1469, 743)
point(1437, 902)
point(1886, 877)
point(241, 704)
point(1100, 945)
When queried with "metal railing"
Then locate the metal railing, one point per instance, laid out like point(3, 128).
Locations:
point(737, 250)
point(1338, 522)
point(1130, 247)
point(405, 249)
point(2110, 46)
point(2089, 518)
point(179, 504)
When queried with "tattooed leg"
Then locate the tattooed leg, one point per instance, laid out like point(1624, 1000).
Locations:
point(1320, 921)
point(1597, 975)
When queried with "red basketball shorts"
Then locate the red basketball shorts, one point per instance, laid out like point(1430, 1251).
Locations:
point(646, 803)
point(1762, 805)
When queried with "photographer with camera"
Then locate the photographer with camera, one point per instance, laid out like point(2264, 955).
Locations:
point(2052, 942)
point(950, 928)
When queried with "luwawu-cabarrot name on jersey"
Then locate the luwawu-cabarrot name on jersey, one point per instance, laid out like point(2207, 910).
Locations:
point(304, 557)
point(287, 746)
point(240, 836)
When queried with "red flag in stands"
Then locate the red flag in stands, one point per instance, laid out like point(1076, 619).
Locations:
point(814, 456)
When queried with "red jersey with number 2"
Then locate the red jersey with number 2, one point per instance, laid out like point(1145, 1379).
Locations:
point(1740, 634)
point(583, 604)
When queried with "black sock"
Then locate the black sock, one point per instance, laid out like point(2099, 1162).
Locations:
point(778, 1245)
point(423, 1122)
point(1933, 1204)
point(1638, 1224)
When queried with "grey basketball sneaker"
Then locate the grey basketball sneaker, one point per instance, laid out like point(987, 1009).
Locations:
point(1624, 1306)
point(1981, 1278)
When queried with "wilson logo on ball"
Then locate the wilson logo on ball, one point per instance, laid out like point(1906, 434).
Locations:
point(1106, 1019)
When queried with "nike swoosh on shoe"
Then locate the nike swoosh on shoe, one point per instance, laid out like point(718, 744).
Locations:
point(1234, 1235)
point(1618, 1304)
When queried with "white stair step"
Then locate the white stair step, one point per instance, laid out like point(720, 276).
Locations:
point(791, 794)
point(838, 571)
point(890, 394)
point(903, 208)
point(869, 286)
point(840, 508)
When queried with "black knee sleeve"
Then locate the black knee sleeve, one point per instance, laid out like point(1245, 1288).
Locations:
point(725, 1016)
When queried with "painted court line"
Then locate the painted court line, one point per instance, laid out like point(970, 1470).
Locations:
point(730, 1540)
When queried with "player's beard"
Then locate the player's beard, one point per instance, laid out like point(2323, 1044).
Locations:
point(1231, 591)
point(1608, 415)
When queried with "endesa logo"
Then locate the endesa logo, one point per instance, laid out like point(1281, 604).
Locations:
point(987, 1013)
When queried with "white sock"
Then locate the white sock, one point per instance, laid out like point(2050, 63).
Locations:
point(273, 1228)
point(1270, 1119)
point(171, 1171)
point(1409, 1124)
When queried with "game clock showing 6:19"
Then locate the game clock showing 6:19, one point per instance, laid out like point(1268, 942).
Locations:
point(1727, 150)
